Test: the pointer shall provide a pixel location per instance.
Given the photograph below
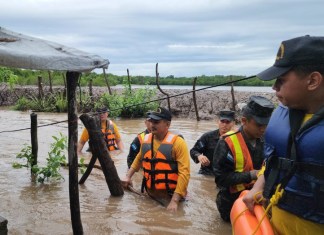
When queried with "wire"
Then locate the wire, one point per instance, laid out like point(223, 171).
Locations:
point(138, 104)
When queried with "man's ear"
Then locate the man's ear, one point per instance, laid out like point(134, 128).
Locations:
point(315, 79)
point(243, 120)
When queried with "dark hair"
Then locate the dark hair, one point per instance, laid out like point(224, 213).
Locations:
point(307, 69)
point(246, 113)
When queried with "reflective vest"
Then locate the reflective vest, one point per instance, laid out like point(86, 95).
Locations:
point(109, 136)
point(141, 136)
point(304, 192)
point(242, 158)
point(161, 170)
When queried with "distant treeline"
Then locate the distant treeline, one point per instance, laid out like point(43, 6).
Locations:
point(30, 77)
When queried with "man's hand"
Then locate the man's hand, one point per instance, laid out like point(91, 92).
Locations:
point(254, 174)
point(204, 161)
point(126, 182)
point(173, 206)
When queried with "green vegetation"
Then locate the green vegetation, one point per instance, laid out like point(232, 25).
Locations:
point(124, 104)
point(30, 77)
point(56, 157)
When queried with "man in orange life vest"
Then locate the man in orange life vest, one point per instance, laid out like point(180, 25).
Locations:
point(239, 155)
point(109, 130)
point(165, 160)
point(136, 144)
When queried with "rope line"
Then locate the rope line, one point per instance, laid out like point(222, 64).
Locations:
point(138, 104)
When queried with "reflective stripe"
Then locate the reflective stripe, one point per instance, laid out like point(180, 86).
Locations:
point(242, 157)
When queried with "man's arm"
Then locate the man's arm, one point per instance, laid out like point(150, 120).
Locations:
point(197, 152)
point(197, 149)
point(133, 151)
point(255, 194)
point(119, 142)
point(181, 154)
point(81, 143)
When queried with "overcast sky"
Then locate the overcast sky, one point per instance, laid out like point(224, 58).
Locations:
point(186, 37)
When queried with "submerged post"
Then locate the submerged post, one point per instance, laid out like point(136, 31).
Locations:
point(72, 80)
point(194, 98)
point(99, 150)
point(34, 140)
point(3, 226)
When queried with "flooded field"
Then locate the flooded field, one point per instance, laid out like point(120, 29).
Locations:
point(33, 208)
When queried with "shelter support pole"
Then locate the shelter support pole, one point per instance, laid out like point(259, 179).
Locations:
point(99, 149)
point(34, 139)
point(72, 80)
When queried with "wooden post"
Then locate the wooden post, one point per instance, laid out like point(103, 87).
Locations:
point(89, 169)
point(106, 79)
point(72, 80)
point(50, 81)
point(91, 92)
point(158, 86)
point(194, 98)
point(34, 139)
point(99, 149)
point(129, 82)
point(40, 87)
point(233, 96)
point(3, 226)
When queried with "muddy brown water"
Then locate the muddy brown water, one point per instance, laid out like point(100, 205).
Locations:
point(33, 208)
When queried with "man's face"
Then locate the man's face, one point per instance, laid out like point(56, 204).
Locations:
point(253, 129)
point(104, 116)
point(148, 125)
point(291, 90)
point(224, 126)
point(159, 127)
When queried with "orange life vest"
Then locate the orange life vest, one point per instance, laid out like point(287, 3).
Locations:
point(161, 170)
point(242, 157)
point(109, 136)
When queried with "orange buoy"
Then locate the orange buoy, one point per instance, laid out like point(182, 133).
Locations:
point(245, 223)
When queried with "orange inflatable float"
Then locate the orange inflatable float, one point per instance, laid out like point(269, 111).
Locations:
point(245, 223)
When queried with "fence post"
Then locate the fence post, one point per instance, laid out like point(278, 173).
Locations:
point(34, 140)
point(233, 97)
point(194, 98)
point(158, 86)
point(40, 88)
point(3, 226)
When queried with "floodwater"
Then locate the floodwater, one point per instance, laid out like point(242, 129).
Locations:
point(33, 208)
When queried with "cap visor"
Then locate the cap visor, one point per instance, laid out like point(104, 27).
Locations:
point(261, 120)
point(272, 73)
point(226, 118)
point(154, 117)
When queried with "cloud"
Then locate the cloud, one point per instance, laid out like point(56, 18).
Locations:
point(187, 38)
